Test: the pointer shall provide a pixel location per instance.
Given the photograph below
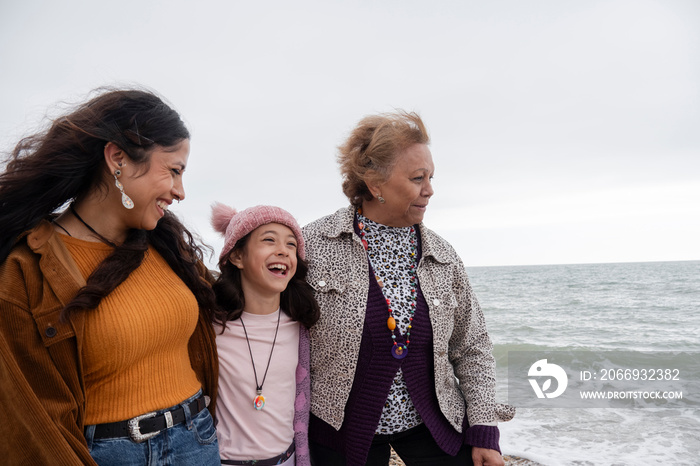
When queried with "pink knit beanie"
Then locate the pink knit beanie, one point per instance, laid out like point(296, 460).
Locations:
point(235, 225)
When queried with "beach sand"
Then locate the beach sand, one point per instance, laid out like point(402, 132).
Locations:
point(517, 461)
point(509, 460)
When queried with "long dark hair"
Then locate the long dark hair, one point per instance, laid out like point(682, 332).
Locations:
point(297, 300)
point(66, 162)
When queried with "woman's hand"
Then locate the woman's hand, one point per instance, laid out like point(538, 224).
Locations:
point(486, 457)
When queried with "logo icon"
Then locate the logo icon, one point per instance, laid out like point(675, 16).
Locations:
point(542, 368)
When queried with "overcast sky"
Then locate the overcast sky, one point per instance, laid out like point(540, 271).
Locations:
point(562, 131)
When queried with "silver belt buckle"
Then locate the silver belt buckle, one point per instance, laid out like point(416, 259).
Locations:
point(135, 428)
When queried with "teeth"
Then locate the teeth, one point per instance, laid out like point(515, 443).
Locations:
point(278, 266)
point(162, 205)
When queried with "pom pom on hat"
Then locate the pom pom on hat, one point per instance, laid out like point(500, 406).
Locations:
point(221, 216)
point(235, 225)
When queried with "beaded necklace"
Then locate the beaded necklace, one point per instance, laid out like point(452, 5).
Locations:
point(399, 350)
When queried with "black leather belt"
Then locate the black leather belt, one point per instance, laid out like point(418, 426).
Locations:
point(279, 459)
point(145, 426)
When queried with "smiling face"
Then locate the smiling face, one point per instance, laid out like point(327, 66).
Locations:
point(154, 186)
point(406, 191)
point(267, 262)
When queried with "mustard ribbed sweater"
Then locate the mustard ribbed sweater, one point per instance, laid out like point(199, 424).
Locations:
point(135, 351)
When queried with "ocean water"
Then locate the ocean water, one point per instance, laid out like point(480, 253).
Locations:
point(640, 307)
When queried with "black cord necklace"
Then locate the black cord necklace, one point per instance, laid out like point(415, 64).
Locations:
point(72, 210)
point(259, 400)
point(62, 228)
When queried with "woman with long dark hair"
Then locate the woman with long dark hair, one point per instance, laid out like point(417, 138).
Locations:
point(107, 353)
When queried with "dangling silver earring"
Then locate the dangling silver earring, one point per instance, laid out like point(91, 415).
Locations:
point(126, 200)
point(381, 199)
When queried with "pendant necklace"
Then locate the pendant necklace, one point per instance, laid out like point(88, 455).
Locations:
point(259, 400)
point(399, 350)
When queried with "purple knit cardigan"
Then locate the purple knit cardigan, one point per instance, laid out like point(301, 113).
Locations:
point(302, 402)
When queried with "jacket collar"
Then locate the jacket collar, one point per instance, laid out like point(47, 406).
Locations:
point(38, 236)
point(432, 245)
point(435, 246)
point(57, 262)
point(339, 223)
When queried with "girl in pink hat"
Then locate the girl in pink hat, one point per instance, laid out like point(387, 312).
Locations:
point(263, 339)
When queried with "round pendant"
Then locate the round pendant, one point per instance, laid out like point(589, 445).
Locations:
point(259, 402)
point(399, 351)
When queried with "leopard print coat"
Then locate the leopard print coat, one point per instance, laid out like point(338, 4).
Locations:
point(339, 273)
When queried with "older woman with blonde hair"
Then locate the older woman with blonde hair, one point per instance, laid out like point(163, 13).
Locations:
point(400, 356)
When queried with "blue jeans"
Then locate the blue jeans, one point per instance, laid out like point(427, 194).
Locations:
point(192, 442)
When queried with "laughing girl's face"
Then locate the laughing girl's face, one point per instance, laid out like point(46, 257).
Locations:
point(268, 261)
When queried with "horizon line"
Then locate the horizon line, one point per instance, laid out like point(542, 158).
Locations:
point(582, 263)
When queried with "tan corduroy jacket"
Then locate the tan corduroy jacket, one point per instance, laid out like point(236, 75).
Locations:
point(42, 394)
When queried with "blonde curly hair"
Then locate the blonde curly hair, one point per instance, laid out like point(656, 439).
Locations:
point(372, 149)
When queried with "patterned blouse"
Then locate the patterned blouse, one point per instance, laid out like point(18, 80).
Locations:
point(389, 252)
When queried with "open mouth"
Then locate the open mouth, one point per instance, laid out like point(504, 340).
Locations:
point(278, 269)
point(162, 205)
